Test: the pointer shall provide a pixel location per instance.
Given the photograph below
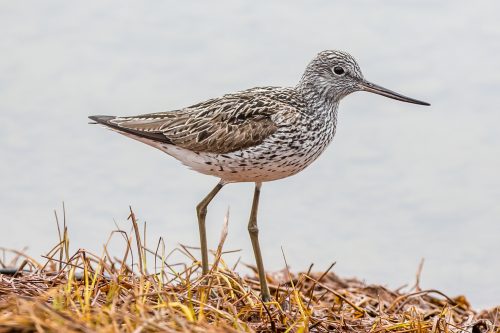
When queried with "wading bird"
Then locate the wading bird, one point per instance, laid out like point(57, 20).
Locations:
point(256, 135)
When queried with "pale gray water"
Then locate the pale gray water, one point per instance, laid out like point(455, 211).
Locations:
point(400, 182)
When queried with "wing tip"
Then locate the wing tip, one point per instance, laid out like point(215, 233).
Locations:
point(98, 119)
point(106, 121)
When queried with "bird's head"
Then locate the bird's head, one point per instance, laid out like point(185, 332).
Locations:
point(333, 75)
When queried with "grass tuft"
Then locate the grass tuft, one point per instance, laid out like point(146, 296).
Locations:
point(85, 292)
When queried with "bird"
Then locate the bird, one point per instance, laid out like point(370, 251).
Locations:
point(256, 135)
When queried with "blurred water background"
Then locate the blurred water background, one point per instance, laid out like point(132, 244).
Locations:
point(399, 183)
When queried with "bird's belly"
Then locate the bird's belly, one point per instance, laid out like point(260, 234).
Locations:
point(256, 164)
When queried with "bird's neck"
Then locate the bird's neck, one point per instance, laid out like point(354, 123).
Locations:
point(319, 100)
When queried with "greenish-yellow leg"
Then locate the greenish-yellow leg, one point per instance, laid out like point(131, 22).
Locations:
point(201, 211)
point(254, 236)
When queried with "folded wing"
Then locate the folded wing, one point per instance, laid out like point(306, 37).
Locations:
point(221, 125)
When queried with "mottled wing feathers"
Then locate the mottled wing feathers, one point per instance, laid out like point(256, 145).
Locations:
point(219, 125)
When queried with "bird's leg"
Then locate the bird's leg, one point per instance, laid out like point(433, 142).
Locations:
point(254, 236)
point(201, 211)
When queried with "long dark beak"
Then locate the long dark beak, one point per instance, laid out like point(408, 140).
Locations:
point(373, 88)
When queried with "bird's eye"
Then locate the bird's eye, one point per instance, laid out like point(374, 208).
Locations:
point(338, 70)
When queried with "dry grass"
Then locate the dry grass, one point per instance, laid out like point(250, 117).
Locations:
point(84, 292)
